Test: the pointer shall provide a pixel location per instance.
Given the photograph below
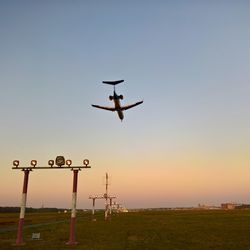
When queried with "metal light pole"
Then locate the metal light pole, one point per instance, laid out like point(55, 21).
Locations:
point(110, 203)
point(106, 198)
point(93, 208)
point(72, 236)
point(19, 240)
point(93, 203)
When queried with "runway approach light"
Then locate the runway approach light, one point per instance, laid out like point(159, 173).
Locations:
point(60, 161)
point(51, 163)
point(33, 163)
point(68, 163)
point(16, 163)
point(86, 162)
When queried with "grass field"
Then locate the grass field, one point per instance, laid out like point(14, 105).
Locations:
point(138, 230)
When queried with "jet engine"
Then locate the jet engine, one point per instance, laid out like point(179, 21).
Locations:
point(111, 97)
point(121, 97)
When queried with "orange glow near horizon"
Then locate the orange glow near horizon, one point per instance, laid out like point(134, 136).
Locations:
point(187, 180)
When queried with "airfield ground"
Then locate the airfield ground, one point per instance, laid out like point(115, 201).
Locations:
point(134, 231)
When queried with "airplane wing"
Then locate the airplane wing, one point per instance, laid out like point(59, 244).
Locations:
point(131, 106)
point(101, 107)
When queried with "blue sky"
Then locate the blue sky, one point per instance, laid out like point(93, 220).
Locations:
point(188, 60)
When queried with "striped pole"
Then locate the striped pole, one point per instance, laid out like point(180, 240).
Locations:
point(19, 240)
point(93, 208)
point(106, 198)
point(72, 235)
point(106, 207)
point(110, 205)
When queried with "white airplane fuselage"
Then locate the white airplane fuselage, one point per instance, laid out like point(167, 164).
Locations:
point(117, 104)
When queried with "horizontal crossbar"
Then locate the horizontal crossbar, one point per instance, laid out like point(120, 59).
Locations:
point(56, 167)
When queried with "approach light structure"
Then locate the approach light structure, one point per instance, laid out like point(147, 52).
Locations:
point(59, 163)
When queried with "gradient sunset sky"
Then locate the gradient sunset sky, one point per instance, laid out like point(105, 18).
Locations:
point(188, 143)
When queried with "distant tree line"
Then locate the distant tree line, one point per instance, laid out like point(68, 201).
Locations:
point(29, 210)
point(243, 206)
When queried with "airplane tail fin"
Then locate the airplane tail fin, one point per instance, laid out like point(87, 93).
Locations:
point(112, 82)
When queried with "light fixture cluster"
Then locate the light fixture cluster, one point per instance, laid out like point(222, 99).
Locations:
point(59, 162)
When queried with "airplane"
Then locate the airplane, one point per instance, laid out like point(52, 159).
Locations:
point(116, 98)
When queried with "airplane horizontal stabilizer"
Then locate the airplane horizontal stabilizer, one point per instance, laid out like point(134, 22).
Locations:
point(131, 106)
point(113, 82)
point(101, 107)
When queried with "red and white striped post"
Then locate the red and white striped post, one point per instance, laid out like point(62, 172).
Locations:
point(106, 198)
point(72, 235)
point(93, 207)
point(110, 205)
point(19, 240)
